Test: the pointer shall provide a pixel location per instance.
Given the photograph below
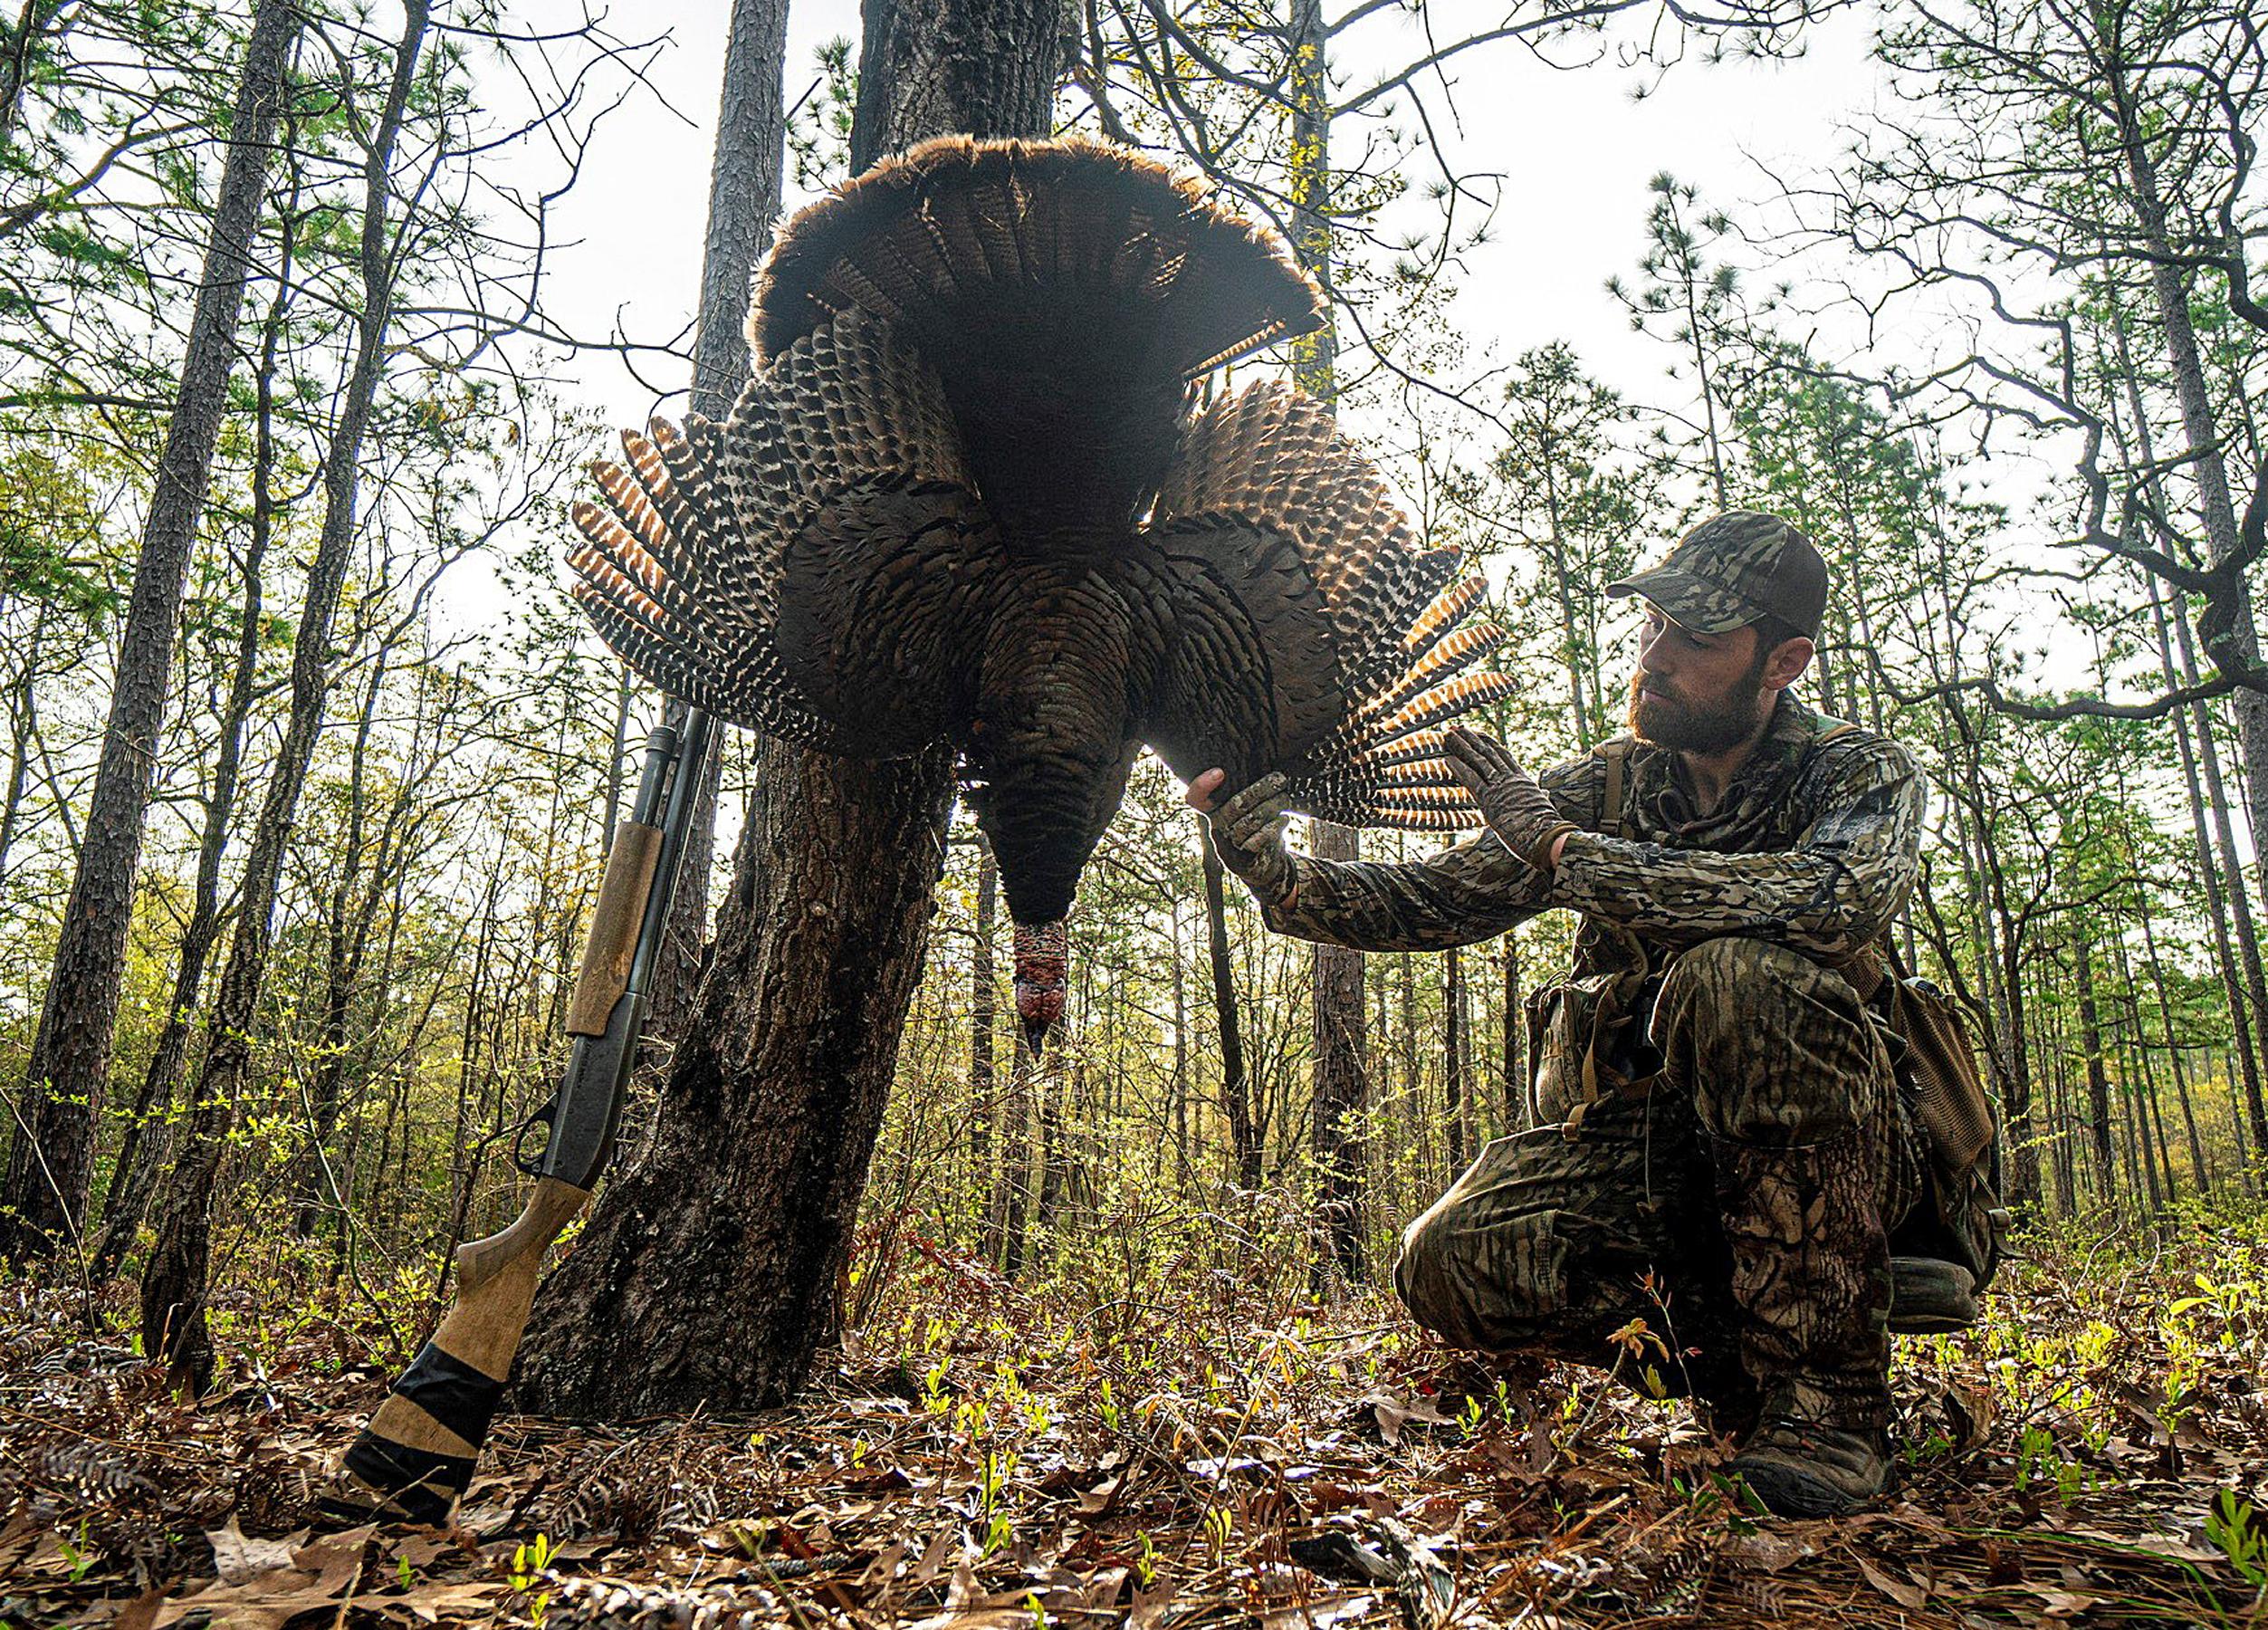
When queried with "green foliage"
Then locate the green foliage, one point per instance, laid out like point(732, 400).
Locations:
point(818, 125)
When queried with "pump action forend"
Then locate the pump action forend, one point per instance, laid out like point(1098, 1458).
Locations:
point(417, 1455)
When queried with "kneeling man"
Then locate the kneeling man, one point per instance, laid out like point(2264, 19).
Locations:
point(1713, 1094)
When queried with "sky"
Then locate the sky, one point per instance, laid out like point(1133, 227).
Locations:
point(1574, 149)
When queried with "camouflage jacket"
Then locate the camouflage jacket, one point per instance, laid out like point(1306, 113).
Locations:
point(1814, 845)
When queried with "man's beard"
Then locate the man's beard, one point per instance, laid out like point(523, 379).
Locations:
point(1659, 722)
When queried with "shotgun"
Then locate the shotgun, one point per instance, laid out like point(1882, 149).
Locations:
point(416, 1456)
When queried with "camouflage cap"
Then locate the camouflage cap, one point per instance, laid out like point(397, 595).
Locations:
point(1732, 569)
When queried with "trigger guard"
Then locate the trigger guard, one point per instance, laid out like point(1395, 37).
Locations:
point(529, 1165)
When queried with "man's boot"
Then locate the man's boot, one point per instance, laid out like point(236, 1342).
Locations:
point(1810, 1277)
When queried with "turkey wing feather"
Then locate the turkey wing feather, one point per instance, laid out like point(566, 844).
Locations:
point(1351, 645)
point(809, 566)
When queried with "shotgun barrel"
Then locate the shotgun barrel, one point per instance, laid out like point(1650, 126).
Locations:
point(416, 1455)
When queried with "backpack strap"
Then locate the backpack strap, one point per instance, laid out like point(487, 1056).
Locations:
point(1613, 800)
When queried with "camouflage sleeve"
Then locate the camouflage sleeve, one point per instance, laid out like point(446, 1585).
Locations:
point(1473, 890)
point(1847, 877)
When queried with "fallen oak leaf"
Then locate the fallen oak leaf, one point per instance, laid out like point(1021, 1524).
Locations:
point(431, 1604)
point(236, 1558)
point(933, 1557)
point(1393, 1413)
point(1903, 1591)
point(2066, 1604)
point(317, 1575)
point(1770, 1551)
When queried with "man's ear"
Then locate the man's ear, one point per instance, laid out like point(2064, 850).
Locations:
point(1787, 662)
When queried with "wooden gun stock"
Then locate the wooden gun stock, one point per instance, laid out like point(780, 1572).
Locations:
point(417, 1455)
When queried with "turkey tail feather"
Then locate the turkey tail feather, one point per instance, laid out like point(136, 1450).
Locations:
point(958, 225)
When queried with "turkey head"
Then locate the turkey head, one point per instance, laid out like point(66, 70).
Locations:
point(968, 495)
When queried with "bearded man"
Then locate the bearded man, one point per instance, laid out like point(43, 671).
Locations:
point(1720, 1150)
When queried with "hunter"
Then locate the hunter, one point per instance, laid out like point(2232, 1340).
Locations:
point(1713, 1094)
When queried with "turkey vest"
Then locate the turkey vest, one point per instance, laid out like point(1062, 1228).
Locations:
point(1959, 1217)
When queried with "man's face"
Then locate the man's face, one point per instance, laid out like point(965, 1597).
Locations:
point(1696, 693)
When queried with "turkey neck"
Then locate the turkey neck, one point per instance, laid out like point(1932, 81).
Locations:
point(1048, 751)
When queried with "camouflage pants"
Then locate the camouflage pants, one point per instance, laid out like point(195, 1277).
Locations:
point(1735, 1203)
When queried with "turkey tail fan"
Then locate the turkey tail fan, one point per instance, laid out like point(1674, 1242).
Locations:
point(958, 227)
point(654, 617)
point(789, 568)
point(1064, 292)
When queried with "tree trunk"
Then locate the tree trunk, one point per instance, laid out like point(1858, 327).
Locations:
point(44, 1192)
point(2097, 1077)
point(983, 1016)
point(710, 1275)
point(743, 202)
point(141, 1152)
point(22, 726)
point(1515, 1040)
point(1011, 1184)
point(1340, 1089)
point(1178, 1106)
point(2229, 630)
point(349, 919)
point(2237, 895)
point(175, 1281)
point(1236, 1089)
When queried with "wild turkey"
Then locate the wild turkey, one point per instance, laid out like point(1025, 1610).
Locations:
point(968, 496)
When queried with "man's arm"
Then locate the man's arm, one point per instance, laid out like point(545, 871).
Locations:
point(1847, 877)
point(1473, 890)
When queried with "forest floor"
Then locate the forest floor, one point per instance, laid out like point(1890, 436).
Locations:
point(1188, 1448)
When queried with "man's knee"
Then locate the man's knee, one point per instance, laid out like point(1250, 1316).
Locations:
point(1774, 1047)
point(1485, 1282)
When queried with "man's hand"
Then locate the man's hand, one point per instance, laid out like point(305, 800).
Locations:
point(1247, 831)
point(1517, 810)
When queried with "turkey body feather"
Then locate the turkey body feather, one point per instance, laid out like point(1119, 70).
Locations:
point(965, 497)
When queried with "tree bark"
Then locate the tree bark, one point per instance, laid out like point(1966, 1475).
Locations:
point(1236, 1088)
point(2230, 630)
point(2098, 1077)
point(710, 1275)
point(1341, 1088)
point(1010, 1206)
point(1515, 1038)
point(743, 202)
point(44, 1192)
point(141, 1152)
point(175, 1281)
point(983, 1011)
point(2244, 929)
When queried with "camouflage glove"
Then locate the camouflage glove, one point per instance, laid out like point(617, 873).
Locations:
point(1517, 810)
point(1248, 833)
